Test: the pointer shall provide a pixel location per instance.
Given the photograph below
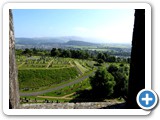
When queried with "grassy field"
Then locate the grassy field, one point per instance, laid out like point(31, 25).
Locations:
point(70, 89)
point(65, 94)
point(38, 73)
point(35, 78)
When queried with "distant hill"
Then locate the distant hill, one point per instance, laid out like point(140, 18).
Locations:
point(64, 41)
point(79, 43)
point(67, 40)
point(25, 41)
point(39, 41)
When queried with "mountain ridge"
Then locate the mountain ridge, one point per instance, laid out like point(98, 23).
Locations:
point(53, 40)
point(63, 40)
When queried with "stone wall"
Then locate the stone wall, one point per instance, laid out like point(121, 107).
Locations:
point(87, 105)
point(13, 82)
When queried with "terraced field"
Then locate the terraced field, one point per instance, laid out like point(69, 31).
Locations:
point(46, 74)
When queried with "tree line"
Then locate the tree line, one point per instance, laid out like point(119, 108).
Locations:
point(98, 56)
point(111, 81)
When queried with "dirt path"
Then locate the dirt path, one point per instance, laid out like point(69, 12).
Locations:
point(71, 63)
point(80, 72)
point(21, 64)
point(63, 97)
point(69, 95)
point(56, 88)
point(47, 97)
point(49, 64)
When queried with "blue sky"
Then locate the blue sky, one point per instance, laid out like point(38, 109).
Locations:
point(107, 25)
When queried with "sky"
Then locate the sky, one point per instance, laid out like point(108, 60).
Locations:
point(105, 25)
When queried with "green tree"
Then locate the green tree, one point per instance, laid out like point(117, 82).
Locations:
point(101, 56)
point(102, 83)
point(55, 52)
point(112, 68)
point(19, 51)
point(120, 89)
point(118, 59)
point(35, 51)
point(120, 75)
point(111, 59)
point(100, 61)
point(27, 52)
point(66, 53)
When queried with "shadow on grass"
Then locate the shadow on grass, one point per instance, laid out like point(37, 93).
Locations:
point(88, 96)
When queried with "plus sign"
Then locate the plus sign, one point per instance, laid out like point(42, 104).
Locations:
point(147, 99)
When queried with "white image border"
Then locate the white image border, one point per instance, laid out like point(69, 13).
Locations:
point(8, 6)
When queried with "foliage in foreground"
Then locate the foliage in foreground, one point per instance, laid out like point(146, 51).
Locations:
point(121, 74)
point(110, 82)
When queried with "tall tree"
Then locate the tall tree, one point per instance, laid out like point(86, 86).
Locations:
point(102, 83)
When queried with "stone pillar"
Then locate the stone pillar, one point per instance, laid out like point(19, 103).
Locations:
point(13, 79)
point(137, 65)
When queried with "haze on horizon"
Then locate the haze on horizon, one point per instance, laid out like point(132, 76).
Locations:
point(102, 25)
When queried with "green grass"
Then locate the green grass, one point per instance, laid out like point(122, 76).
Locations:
point(62, 92)
point(38, 73)
point(80, 67)
point(70, 89)
point(35, 78)
point(24, 62)
point(54, 85)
